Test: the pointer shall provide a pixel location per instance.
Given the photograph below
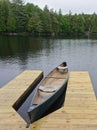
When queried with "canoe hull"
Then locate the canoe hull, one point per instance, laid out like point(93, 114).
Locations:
point(36, 112)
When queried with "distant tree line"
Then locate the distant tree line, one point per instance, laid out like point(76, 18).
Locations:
point(17, 17)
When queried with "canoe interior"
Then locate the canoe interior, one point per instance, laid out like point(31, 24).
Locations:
point(54, 79)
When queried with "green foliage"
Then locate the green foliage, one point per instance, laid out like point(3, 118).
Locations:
point(54, 22)
point(34, 23)
point(4, 5)
point(11, 21)
point(46, 20)
point(15, 16)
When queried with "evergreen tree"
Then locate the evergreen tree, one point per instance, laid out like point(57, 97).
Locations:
point(61, 23)
point(66, 24)
point(21, 17)
point(46, 20)
point(80, 24)
point(4, 9)
point(54, 22)
point(94, 23)
point(34, 23)
point(11, 21)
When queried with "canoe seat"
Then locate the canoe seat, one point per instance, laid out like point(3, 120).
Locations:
point(47, 89)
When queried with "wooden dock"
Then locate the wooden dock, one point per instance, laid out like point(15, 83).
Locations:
point(14, 93)
point(80, 108)
point(78, 113)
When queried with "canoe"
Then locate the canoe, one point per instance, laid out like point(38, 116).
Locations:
point(48, 91)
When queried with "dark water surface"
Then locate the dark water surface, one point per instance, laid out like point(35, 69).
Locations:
point(20, 53)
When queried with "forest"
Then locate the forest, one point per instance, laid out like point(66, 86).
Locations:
point(17, 17)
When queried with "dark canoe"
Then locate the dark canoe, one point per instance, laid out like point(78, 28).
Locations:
point(48, 91)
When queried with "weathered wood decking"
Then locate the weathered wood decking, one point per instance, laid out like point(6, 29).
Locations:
point(14, 92)
point(79, 111)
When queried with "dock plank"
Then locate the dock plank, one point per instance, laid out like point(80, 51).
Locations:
point(11, 93)
point(79, 111)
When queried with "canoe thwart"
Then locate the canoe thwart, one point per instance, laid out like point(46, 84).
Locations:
point(47, 89)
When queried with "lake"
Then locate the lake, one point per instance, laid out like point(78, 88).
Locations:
point(21, 53)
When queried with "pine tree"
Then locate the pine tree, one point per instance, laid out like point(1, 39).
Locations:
point(4, 9)
point(11, 21)
point(46, 20)
point(34, 24)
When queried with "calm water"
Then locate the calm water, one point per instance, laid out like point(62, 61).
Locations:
point(20, 53)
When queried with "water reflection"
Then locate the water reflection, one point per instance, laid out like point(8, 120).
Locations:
point(18, 47)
